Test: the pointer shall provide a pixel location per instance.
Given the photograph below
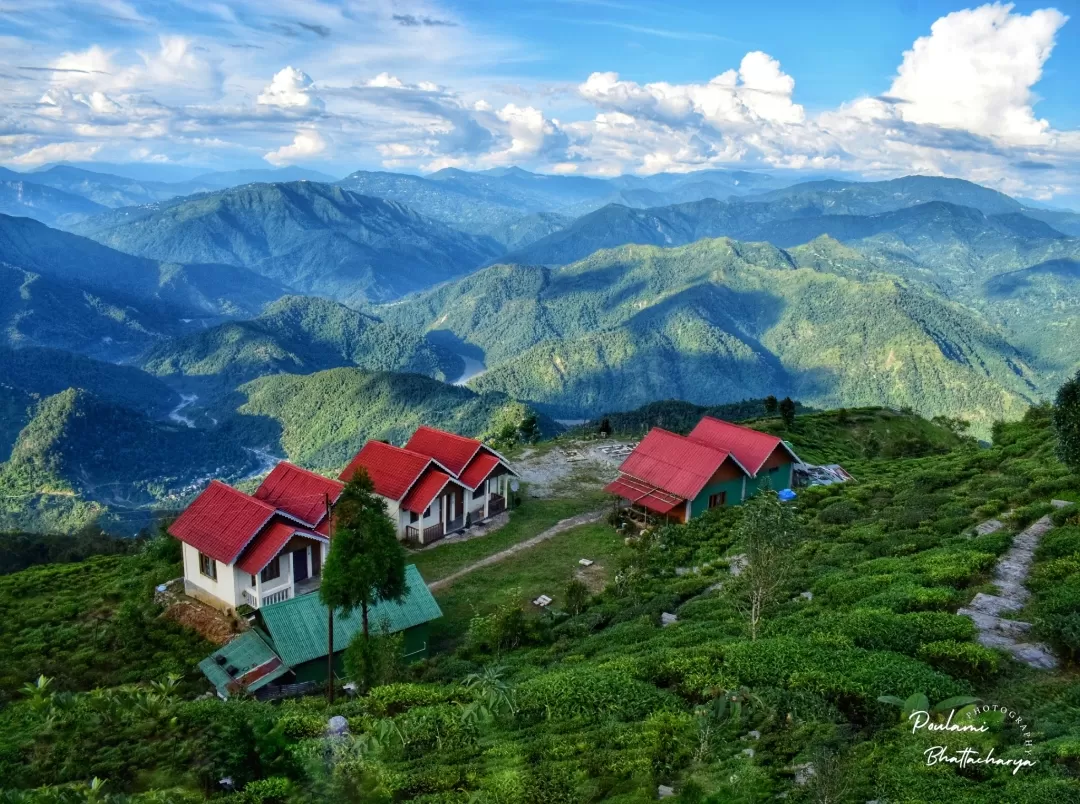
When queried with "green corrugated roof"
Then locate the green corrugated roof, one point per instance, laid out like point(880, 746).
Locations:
point(244, 652)
point(298, 626)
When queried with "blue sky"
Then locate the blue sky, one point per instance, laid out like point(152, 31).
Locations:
point(585, 87)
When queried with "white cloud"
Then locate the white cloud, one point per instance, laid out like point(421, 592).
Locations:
point(960, 103)
point(56, 152)
point(386, 80)
point(531, 135)
point(291, 89)
point(305, 145)
point(758, 92)
point(975, 72)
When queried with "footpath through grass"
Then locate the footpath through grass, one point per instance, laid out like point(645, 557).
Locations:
point(531, 517)
point(542, 570)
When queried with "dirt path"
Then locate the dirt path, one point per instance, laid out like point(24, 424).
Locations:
point(985, 610)
point(559, 527)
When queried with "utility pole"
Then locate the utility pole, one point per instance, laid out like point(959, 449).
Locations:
point(329, 611)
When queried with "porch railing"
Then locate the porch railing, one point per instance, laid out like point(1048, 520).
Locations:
point(253, 600)
point(432, 533)
point(496, 505)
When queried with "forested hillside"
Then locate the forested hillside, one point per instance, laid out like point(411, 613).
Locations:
point(78, 454)
point(321, 420)
point(313, 238)
point(720, 321)
point(299, 335)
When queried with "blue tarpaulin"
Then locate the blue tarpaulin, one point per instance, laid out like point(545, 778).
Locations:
point(787, 495)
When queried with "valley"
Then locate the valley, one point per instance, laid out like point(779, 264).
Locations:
point(295, 315)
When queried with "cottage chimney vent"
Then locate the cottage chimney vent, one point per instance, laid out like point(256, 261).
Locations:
point(220, 659)
point(231, 670)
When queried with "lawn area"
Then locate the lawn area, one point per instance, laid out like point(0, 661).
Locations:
point(543, 569)
point(527, 520)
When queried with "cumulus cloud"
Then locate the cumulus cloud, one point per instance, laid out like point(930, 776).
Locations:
point(305, 145)
point(291, 89)
point(55, 152)
point(975, 72)
point(960, 103)
point(759, 91)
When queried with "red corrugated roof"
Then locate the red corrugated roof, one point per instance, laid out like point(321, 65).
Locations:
point(641, 493)
point(425, 490)
point(478, 469)
point(268, 543)
point(750, 447)
point(451, 450)
point(298, 492)
point(673, 463)
point(221, 521)
point(392, 469)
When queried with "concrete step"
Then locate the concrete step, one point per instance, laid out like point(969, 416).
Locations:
point(993, 605)
point(1033, 655)
point(1015, 629)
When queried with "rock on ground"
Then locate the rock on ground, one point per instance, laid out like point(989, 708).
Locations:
point(985, 610)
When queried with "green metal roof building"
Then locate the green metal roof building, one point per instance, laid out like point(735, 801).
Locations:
point(294, 632)
point(245, 662)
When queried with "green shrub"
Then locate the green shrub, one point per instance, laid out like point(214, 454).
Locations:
point(1027, 514)
point(274, 790)
point(1059, 543)
point(590, 693)
point(393, 699)
point(903, 633)
point(841, 512)
point(960, 659)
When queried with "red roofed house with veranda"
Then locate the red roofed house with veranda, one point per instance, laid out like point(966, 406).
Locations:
point(270, 546)
point(718, 464)
point(437, 484)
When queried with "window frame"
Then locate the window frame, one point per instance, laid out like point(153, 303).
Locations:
point(207, 566)
point(720, 499)
point(275, 562)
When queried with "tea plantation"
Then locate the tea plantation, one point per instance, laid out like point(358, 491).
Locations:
point(599, 701)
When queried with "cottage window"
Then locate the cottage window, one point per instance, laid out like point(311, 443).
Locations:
point(479, 493)
point(413, 516)
point(717, 500)
point(272, 570)
point(208, 566)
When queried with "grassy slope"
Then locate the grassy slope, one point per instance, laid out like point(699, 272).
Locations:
point(607, 699)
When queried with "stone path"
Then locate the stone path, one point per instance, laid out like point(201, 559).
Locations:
point(985, 610)
point(559, 527)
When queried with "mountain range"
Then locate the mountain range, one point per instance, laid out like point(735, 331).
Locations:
point(299, 318)
point(721, 320)
point(299, 335)
point(314, 238)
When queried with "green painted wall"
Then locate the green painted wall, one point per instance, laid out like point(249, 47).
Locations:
point(416, 642)
point(780, 478)
point(733, 487)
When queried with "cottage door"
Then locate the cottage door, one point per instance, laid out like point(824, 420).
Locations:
point(299, 565)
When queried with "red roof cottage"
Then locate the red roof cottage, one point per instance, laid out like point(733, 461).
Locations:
point(680, 477)
point(437, 484)
point(259, 549)
point(766, 457)
point(270, 546)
